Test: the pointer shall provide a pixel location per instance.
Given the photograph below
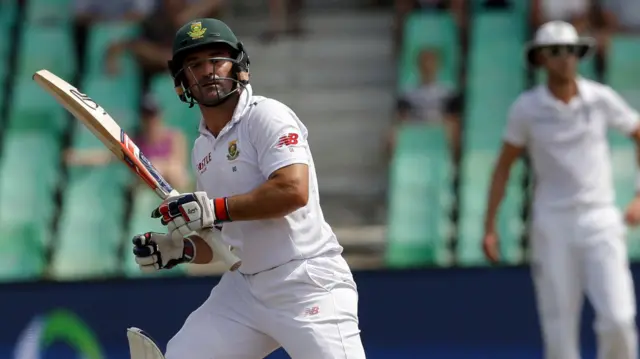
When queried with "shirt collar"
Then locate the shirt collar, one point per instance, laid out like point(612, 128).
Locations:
point(584, 92)
point(242, 106)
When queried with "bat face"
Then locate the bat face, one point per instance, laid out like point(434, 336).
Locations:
point(100, 123)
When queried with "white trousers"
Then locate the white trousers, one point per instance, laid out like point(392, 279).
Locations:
point(308, 307)
point(577, 252)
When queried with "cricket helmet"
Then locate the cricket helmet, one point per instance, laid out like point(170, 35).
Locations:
point(199, 34)
point(557, 33)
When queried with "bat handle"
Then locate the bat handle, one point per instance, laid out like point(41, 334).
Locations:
point(223, 251)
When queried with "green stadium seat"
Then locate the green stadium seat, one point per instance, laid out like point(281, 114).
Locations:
point(476, 178)
point(436, 30)
point(622, 69)
point(175, 112)
point(29, 173)
point(55, 12)
point(91, 224)
point(8, 14)
point(622, 76)
point(420, 198)
point(23, 250)
point(47, 47)
point(103, 35)
point(487, 111)
point(119, 96)
point(35, 110)
point(144, 201)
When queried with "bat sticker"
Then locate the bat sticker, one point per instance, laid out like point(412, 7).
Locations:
point(86, 100)
point(130, 149)
point(152, 170)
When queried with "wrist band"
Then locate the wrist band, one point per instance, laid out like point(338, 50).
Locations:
point(189, 251)
point(220, 209)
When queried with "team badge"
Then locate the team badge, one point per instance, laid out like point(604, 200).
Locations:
point(233, 150)
point(197, 31)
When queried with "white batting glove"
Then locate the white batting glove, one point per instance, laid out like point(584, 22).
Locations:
point(191, 212)
point(155, 251)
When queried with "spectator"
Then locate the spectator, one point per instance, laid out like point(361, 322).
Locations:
point(88, 12)
point(430, 102)
point(153, 48)
point(165, 147)
point(285, 17)
point(622, 15)
point(87, 157)
point(574, 11)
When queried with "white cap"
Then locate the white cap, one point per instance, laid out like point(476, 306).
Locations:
point(557, 33)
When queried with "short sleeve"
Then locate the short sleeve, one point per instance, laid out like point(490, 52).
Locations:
point(278, 137)
point(621, 116)
point(516, 131)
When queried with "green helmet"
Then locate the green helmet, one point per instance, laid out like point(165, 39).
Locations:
point(199, 34)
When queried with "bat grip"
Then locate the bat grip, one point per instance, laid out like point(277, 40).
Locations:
point(220, 249)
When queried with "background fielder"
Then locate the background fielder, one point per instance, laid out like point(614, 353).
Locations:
point(256, 182)
point(577, 237)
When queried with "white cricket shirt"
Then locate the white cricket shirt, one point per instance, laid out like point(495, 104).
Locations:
point(263, 136)
point(568, 143)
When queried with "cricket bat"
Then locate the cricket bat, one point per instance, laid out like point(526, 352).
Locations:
point(105, 128)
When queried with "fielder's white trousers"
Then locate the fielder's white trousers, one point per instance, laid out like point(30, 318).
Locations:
point(577, 252)
point(309, 307)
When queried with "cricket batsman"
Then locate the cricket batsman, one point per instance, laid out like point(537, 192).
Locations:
point(257, 183)
point(577, 234)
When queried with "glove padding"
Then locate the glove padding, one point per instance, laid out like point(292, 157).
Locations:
point(188, 213)
point(155, 251)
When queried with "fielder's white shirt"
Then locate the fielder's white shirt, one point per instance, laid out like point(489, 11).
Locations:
point(263, 136)
point(568, 143)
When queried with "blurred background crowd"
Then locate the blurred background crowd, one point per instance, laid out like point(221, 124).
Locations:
point(405, 102)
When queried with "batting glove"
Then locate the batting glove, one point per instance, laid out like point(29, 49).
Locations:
point(191, 212)
point(155, 251)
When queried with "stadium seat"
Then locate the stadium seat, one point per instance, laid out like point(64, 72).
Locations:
point(47, 47)
point(144, 201)
point(91, 223)
point(119, 96)
point(476, 174)
point(486, 116)
point(622, 75)
point(437, 30)
point(29, 173)
point(23, 250)
point(103, 35)
point(50, 12)
point(35, 110)
point(175, 112)
point(420, 198)
point(8, 13)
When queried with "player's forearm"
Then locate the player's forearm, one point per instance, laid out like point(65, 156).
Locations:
point(273, 199)
point(496, 193)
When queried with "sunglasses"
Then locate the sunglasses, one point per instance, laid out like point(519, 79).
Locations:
point(560, 50)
